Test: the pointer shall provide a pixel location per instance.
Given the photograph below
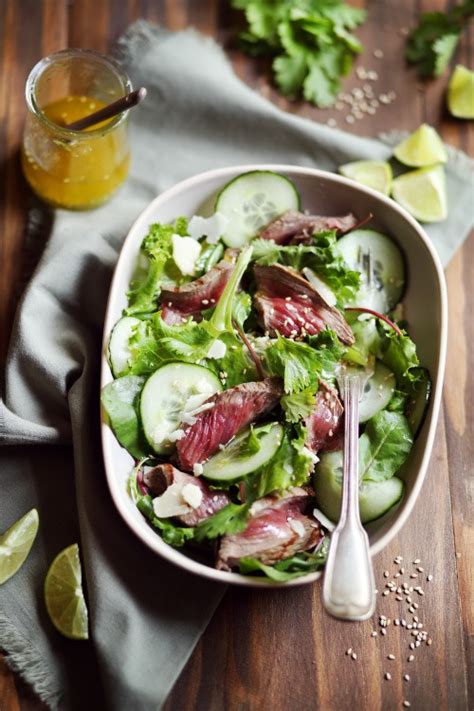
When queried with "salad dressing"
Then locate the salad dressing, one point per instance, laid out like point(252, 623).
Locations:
point(75, 169)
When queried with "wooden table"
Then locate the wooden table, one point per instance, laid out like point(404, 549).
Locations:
point(278, 650)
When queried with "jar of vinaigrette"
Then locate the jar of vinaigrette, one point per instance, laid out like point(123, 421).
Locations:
point(66, 168)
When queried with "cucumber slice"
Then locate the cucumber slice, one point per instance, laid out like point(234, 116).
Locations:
point(118, 350)
point(367, 251)
point(375, 497)
point(377, 393)
point(169, 394)
point(417, 405)
point(252, 200)
point(234, 461)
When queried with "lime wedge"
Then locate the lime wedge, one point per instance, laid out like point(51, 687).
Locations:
point(461, 93)
point(422, 148)
point(15, 544)
point(64, 596)
point(375, 174)
point(423, 193)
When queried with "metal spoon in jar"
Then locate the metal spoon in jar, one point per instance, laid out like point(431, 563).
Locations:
point(349, 585)
point(117, 107)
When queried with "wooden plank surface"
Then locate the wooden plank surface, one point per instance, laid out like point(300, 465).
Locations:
point(278, 650)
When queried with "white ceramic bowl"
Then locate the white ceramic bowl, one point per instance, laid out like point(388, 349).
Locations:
point(425, 308)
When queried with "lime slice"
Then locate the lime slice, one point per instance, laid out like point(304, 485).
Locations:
point(423, 193)
point(422, 148)
point(461, 93)
point(64, 596)
point(15, 544)
point(375, 174)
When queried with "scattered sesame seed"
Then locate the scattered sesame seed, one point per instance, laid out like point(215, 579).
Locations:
point(409, 599)
point(411, 658)
point(406, 677)
point(374, 634)
point(348, 651)
point(402, 570)
point(350, 119)
point(354, 655)
point(399, 598)
point(417, 643)
point(414, 575)
point(391, 657)
point(388, 676)
point(412, 645)
point(339, 105)
point(416, 561)
point(429, 642)
point(386, 574)
point(406, 703)
point(372, 76)
point(403, 623)
point(383, 631)
point(386, 592)
point(429, 578)
point(378, 54)
point(409, 627)
point(396, 622)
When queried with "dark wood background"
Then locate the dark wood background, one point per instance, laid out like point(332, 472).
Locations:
point(278, 650)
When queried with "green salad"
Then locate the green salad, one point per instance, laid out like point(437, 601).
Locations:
point(224, 385)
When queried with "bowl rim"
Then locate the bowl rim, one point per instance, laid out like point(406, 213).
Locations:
point(150, 537)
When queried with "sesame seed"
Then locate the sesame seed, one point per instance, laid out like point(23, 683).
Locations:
point(412, 645)
point(408, 599)
point(417, 643)
point(386, 574)
point(348, 651)
point(391, 657)
point(388, 676)
point(403, 623)
point(378, 53)
point(350, 119)
point(374, 634)
point(406, 677)
point(386, 592)
point(414, 575)
point(406, 703)
point(354, 655)
point(416, 561)
point(429, 642)
point(383, 631)
point(402, 570)
point(396, 622)
point(399, 598)
point(429, 578)
point(411, 658)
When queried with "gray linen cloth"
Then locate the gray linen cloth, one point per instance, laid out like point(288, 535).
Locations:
point(146, 616)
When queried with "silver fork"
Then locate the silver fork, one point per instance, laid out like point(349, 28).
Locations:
point(349, 585)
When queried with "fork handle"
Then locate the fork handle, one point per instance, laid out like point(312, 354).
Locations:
point(349, 586)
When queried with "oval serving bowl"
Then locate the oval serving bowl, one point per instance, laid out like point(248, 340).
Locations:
point(425, 309)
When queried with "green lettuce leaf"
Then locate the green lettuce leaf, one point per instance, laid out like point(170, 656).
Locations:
point(290, 568)
point(156, 251)
point(229, 520)
point(298, 405)
point(399, 354)
point(120, 401)
point(172, 534)
point(384, 446)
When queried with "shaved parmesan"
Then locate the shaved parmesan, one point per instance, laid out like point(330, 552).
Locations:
point(185, 253)
point(217, 350)
point(171, 503)
point(210, 227)
point(192, 494)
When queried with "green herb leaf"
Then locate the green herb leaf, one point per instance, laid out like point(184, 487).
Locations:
point(229, 520)
point(174, 535)
point(290, 568)
point(298, 405)
point(384, 446)
point(399, 354)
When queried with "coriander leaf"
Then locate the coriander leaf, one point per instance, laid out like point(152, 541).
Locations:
point(188, 341)
point(343, 15)
point(237, 364)
point(384, 446)
point(301, 365)
point(298, 405)
point(120, 399)
point(174, 535)
point(444, 49)
point(290, 73)
point(229, 520)
point(318, 87)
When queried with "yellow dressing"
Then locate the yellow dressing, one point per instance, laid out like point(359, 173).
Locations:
point(74, 169)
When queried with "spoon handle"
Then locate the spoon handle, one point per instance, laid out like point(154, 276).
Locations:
point(117, 107)
point(349, 586)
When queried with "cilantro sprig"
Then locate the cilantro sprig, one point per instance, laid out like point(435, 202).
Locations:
point(432, 43)
point(310, 41)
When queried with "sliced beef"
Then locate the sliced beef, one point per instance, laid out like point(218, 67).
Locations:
point(190, 299)
point(296, 225)
point(290, 318)
point(325, 422)
point(278, 528)
point(231, 411)
point(284, 283)
point(161, 477)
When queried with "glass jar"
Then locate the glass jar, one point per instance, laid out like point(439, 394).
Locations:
point(66, 168)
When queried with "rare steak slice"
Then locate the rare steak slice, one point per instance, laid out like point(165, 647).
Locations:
point(298, 226)
point(228, 413)
point(184, 493)
point(190, 299)
point(303, 300)
point(325, 423)
point(278, 528)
